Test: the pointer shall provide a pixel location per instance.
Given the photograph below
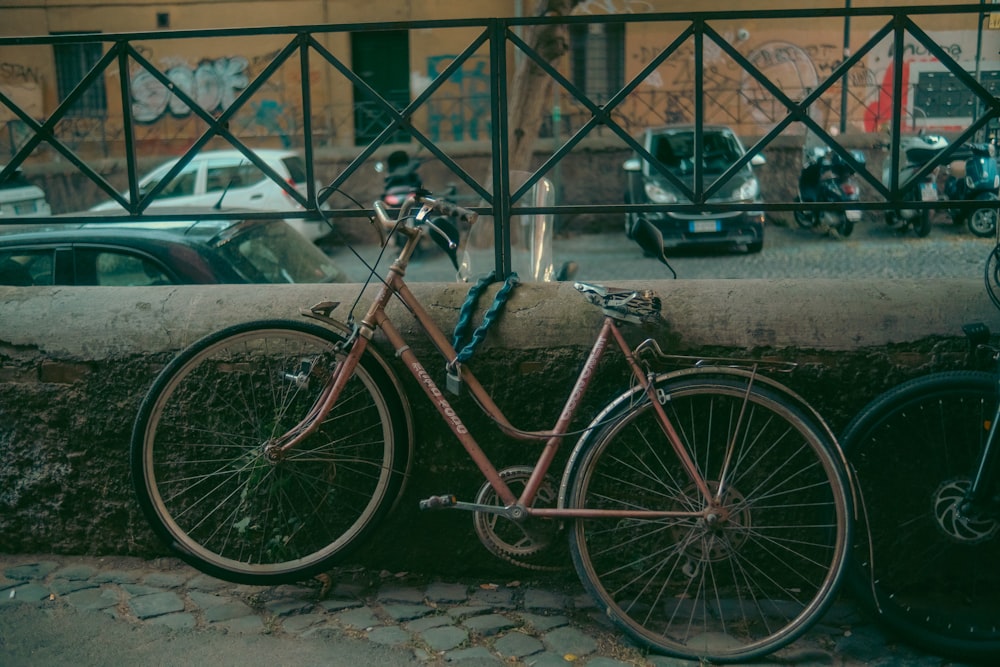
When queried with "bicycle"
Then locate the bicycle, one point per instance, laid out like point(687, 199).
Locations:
point(707, 509)
point(929, 571)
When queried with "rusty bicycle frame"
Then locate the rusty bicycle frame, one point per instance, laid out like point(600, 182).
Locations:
point(394, 286)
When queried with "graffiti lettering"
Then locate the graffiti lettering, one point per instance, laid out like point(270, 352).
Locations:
point(214, 85)
point(462, 109)
point(11, 72)
point(612, 7)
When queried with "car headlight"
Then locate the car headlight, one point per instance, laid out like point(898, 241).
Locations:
point(658, 195)
point(748, 190)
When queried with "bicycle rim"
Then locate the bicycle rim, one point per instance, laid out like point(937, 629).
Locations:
point(728, 588)
point(199, 463)
point(992, 275)
point(928, 574)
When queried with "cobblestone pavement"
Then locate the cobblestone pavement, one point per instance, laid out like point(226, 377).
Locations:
point(872, 252)
point(426, 620)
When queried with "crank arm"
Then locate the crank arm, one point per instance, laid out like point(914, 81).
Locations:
point(514, 512)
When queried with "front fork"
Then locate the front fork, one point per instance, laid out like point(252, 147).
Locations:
point(982, 499)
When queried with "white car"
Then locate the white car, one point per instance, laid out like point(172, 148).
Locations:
point(228, 175)
point(19, 197)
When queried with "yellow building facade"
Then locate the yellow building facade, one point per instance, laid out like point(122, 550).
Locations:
point(796, 54)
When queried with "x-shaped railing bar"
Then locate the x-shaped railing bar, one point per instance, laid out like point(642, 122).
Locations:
point(498, 33)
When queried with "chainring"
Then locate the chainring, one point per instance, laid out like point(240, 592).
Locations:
point(535, 543)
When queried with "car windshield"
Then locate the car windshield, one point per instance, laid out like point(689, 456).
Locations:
point(276, 253)
point(675, 150)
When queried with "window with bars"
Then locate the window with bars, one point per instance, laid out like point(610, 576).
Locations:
point(73, 62)
point(598, 56)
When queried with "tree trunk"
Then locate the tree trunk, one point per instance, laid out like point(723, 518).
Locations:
point(530, 92)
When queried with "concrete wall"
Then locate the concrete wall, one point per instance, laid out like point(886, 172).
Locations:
point(75, 362)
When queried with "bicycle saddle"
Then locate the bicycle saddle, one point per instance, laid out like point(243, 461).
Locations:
point(623, 304)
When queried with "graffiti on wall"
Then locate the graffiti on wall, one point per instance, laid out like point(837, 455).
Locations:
point(212, 84)
point(460, 108)
point(22, 85)
point(733, 95)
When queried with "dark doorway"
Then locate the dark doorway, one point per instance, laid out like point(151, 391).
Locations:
point(382, 60)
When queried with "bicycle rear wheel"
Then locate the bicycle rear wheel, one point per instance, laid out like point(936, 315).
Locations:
point(929, 574)
point(732, 584)
point(209, 489)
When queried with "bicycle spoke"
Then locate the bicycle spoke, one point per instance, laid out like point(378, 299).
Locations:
point(210, 481)
point(754, 565)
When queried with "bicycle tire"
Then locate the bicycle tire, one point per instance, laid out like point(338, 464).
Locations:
point(935, 589)
point(745, 586)
point(992, 275)
point(201, 475)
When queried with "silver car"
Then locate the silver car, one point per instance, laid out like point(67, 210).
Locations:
point(228, 176)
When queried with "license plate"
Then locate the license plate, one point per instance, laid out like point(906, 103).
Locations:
point(703, 226)
point(928, 192)
point(853, 215)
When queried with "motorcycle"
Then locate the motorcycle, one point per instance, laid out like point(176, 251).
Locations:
point(917, 150)
point(403, 179)
point(973, 176)
point(826, 177)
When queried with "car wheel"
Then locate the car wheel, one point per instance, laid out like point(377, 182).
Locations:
point(753, 248)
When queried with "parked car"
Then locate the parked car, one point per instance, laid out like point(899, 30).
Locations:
point(673, 148)
point(19, 197)
point(229, 176)
point(195, 251)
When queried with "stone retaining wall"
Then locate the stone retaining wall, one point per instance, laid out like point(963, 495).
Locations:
point(75, 362)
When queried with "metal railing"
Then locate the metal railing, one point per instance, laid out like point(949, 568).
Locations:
point(618, 115)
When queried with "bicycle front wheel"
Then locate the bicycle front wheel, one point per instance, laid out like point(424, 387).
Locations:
point(728, 580)
point(930, 571)
point(207, 483)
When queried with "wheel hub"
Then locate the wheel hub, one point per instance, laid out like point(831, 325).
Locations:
point(721, 531)
point(960, 526)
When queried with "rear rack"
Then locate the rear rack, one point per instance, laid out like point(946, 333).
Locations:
point(650, 350)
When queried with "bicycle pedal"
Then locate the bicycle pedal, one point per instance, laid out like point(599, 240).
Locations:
point(438, 502)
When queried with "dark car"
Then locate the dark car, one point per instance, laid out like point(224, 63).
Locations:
point(673, 148)
point(194, 251)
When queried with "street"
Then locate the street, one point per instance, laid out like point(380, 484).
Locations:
point(873, 251)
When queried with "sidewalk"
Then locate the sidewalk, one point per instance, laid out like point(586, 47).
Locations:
point(98, 611)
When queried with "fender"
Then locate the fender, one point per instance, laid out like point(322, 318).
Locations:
point(635, 396)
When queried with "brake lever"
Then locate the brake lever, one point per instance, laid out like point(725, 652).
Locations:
point(441, 233)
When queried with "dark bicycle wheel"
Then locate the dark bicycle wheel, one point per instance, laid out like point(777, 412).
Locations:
point(732, 580)
point(929, 573)
point(210, 487)
point(993, 275)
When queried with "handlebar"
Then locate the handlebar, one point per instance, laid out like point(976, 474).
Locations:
point(427, 204)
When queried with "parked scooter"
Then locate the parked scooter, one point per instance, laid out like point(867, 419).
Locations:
point(917, 151)
point(402, 179)
point(973, 176)
point(827, 178)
